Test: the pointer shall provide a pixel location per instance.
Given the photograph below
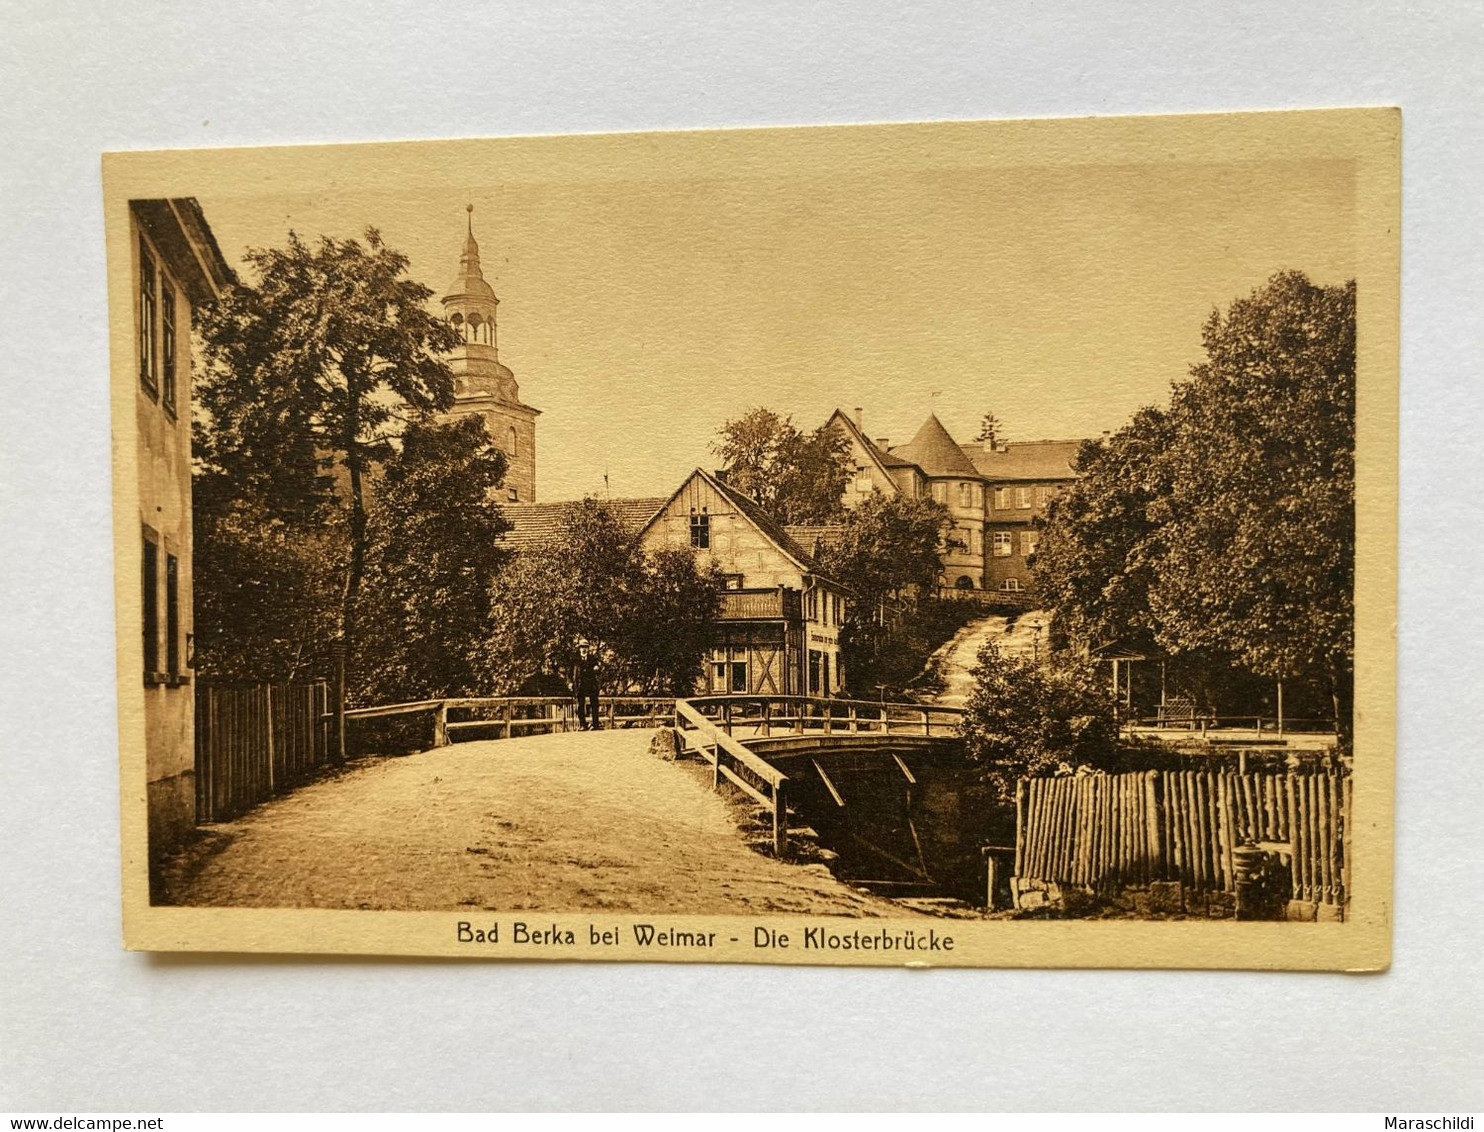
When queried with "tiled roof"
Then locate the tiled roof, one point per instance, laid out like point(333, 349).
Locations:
point(934, 451)
point(532, 524)
point(1027, 460)
point(815, 536)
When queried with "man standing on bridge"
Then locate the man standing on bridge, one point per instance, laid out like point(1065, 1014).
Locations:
point(587, 689)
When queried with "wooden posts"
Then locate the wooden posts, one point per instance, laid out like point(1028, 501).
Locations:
point(780, 819)
point(440, 726)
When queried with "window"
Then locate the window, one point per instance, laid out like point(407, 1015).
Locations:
point(1027, 543)
point(513, 449)
point(966, 495)
point(1010, 585)
point(149, 577)
point(1002, 497)
point(700, 530)
point(731, 581)
point(976, 541)
point(147, 320)
point(863, 484)
point(514, 494)
point(979, 496)
point(1000, 541)
point(964, 582)
point(1043, 495)
point(1022, 497)
point(940, 493)
point(167, 346)
point(172, 615)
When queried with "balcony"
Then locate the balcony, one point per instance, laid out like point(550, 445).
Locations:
point(761, 605)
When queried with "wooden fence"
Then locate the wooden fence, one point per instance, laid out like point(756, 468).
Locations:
point(1105, 832)
point(256, 740)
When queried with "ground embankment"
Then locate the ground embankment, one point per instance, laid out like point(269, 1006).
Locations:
point(555, 823)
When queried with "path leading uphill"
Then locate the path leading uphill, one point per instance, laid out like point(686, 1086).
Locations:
point(957, 658)
point(552, 822)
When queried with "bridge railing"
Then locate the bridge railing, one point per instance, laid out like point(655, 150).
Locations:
point(732, 761)
point(510, 716)
point(765, 716)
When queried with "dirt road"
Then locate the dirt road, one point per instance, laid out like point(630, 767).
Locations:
point(556, 823)
point(955, 660)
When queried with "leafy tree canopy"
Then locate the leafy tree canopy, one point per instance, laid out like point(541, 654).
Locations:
point(1224, 527)
point(889, 545)
point(796, 477)
point(1025, 719)
point(649, 616)
point(434, 555)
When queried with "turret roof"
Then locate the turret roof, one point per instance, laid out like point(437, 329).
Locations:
point(935, 452)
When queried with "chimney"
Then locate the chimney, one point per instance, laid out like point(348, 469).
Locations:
point(858, 418)
point(882, 442)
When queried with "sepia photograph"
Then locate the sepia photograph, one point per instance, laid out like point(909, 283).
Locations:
point(938, 544)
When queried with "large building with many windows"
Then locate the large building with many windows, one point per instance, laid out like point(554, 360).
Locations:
point(175, 266)
point(994, 493)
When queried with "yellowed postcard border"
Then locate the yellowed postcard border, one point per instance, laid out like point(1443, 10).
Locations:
point(1368, 137)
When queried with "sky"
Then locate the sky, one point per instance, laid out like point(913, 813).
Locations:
point(641, 312)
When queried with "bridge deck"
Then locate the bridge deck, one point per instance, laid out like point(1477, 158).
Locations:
point(549, 823)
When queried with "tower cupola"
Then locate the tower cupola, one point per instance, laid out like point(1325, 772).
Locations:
point(470, 301)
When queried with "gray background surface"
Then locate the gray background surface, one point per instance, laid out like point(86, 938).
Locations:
point(85, 1026)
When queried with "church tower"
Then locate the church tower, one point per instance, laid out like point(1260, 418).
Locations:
point(480, 383)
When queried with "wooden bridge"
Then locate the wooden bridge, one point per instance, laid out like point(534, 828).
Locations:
point(752, 742)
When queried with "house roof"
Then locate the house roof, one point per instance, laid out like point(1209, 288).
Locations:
point(816, 536)
point(759, 518)
point(533, 524)
point(883, 458)
point(1027, 460)
point(935, 452)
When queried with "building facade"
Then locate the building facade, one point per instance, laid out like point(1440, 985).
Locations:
point(994, 493)
point(778, 632)
point(175, 266)
point(482, 384)
point(778, 628)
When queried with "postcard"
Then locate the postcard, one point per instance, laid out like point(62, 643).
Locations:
point(944, 544)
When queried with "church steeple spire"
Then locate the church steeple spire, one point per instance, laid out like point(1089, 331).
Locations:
point(470, 302)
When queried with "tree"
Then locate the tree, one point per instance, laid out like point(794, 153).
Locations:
point(1257, 533)
point(266, 591)
point(317, 363)
point(434, 533)
point(1095, 559)
point(991, 432)
point(1025, 719)
point(889, 545)
point(796, 477)
point(1222, 530)
point(887, 558)
point(649, 616)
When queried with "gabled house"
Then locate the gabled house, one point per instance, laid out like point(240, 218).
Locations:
point(779, 627)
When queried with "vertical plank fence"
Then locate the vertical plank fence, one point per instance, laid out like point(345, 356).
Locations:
point(256, 740)
point(1105, 832)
